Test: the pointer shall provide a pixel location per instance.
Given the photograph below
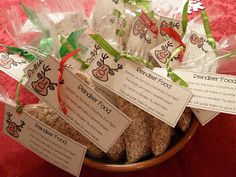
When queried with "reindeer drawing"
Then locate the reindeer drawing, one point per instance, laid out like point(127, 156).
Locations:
point(171, 24)
point(13, 129)
point(6, 62)
point(104, 70)
point(43, 83)
point(199, 42)
point(164, 54)
point(94, 53)
point(30, 72)
point(141, 30)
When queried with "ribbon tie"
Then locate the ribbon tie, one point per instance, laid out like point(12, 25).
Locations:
point(109, 49)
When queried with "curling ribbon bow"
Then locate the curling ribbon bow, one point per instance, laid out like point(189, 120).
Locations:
point(148, 23)
point(60, 81)
point(173, 34)
point(174, 77)
point(109, 49)
point(69, 47)
point(23, 53)
point(207, 28)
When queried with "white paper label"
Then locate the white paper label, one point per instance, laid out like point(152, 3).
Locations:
point(32, 67)
point(170, 23)
point(89, 112)
point(140, 86)
point(197, 46)
point(44, 141)
point(204, 116)
point(214, 92)
point(12, 65)
point(162, 52)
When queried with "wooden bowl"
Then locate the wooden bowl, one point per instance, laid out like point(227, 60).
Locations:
point(148, 162)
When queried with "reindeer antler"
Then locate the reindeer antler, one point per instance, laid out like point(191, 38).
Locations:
point(9, 115)
point(169, 44)
point(104, 57)
point(45, 69)
point(118, 68)
point(176, 25)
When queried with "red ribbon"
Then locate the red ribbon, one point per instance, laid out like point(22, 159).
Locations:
point(60, 75)
point(148, 23)
point(173, 34)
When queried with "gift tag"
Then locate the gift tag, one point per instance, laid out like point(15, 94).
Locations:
point(170, 23)
point(44, 141)
point(12, 65)
point(141, 87)
point(197, 46)
point(93, 53)
point(32, 67)
point(204, 116)
point(213, 92)
point(162, 52)
point(141, 38)
point(89, 112)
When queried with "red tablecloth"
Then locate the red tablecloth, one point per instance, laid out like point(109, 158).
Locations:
point(211, 151)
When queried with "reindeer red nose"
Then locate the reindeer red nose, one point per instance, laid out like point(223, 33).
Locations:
point(41, 85)
point(101, 72)
point(12, 127)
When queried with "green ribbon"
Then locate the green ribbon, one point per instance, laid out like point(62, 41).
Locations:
point(109, 49)
point(145, 4)
point(28, 56)
point(46, 43)
point(207, 28)
point(174, 77)
point(32, 17)
point(72, 39)
point(69, 47)
point(185, 18)
point(120, 32)
point(20, 106)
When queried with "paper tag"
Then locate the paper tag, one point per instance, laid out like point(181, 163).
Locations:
point(93, 53)
point(71, 64)
point(44, 141)
point(142, 87)
point(162, 52)
point(214, 92)
point(89, 112)
point(204, 116)
point(12, 65)
point(141, 39)
point(171, 23)
point(32, 67)
point(197, 46)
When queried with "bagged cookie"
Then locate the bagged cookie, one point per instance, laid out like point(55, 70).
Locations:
point(43, 113)
point(185, 119)
point(137, 135)
point(160, 136)
point(117, 151)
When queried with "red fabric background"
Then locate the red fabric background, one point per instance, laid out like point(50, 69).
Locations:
point(211, 151)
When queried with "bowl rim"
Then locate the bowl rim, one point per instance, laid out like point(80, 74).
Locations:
point(147, 163)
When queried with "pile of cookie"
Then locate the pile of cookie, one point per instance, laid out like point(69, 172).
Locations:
point(145, 135)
